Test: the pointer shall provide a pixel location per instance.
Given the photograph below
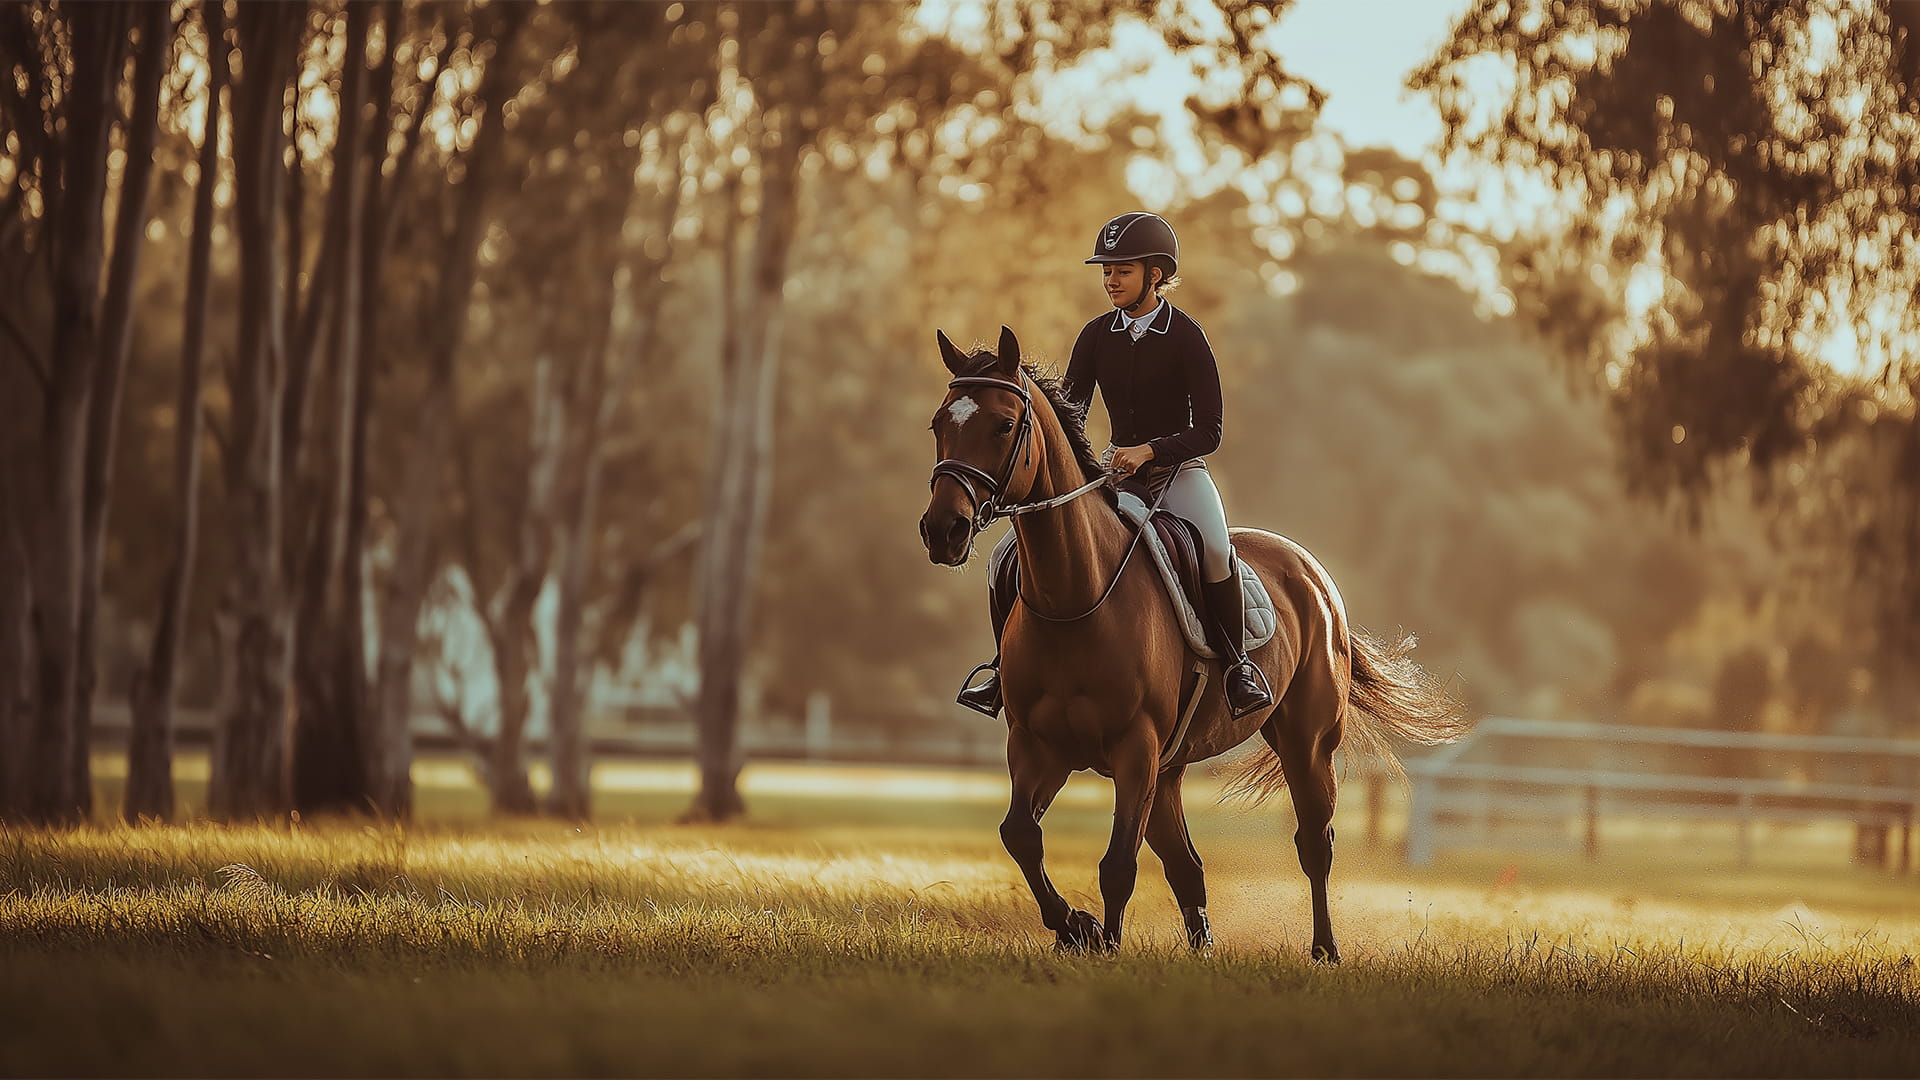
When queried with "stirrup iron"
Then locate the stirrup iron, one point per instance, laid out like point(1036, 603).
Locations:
point(985, 698)
point(1260, 682)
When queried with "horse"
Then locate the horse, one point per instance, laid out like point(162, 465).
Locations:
point(1094, 665)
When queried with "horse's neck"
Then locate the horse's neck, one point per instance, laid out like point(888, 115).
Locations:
point(1068, 554)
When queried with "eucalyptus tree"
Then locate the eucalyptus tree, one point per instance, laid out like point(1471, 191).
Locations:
point(795, 80)
point(478, 165)
point(65, 92)
point(149, 792)
point(1728, 195)
point(395, 65)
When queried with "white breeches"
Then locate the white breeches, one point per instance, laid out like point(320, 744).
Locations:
point(1192, 495)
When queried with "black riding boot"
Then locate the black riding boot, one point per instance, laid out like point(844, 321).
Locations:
point(985, 698)
point(1246, 688)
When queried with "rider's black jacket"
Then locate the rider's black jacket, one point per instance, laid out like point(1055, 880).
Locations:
point(1162, 390)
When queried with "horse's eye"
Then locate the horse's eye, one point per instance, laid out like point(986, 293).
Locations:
point(1006, 426)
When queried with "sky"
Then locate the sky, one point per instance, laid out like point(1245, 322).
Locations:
point(1359, 53)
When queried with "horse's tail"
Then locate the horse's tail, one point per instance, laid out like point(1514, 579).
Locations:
point(1390, 697)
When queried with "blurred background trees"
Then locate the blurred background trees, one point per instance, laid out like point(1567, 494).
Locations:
point(1720, 240)
point(588, 345)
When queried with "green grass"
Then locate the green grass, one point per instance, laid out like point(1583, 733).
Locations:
point(866, 922)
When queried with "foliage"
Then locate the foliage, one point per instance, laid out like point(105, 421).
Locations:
point(1731, 193)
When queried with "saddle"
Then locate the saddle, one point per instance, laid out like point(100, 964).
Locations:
point(1173, 544)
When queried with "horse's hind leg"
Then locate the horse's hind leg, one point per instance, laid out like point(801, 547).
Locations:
point(1167, 835)
point(1304, 731)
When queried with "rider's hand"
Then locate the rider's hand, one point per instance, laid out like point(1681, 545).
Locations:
point(1128, 460)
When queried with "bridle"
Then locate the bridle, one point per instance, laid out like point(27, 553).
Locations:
point(988, 507)
point(987, 490)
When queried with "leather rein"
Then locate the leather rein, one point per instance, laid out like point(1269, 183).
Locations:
point(988, 507)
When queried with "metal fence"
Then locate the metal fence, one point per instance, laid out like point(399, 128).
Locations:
point(1541, 784)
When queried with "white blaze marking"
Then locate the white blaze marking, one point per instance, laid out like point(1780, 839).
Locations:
point(962, 411)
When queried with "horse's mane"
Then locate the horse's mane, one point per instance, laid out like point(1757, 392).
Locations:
point(1073, 418)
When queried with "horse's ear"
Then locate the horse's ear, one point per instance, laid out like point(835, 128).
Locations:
point(1009, 355)
point(955, 362)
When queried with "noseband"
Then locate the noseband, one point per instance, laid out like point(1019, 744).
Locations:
point(985, 489)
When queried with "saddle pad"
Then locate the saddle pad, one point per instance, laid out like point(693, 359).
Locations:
point(1261, 619)
point(1003, 569)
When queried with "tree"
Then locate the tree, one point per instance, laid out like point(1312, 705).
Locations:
point(250, 763)
point(330, 764)
point(70, 62)
point(859, 78)
point(1729, 257)
point(409, 577)
point(149, 793)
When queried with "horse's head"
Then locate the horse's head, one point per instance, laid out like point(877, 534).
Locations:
point(983, 435)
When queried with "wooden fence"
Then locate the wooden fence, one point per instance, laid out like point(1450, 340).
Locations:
point(1537, 784)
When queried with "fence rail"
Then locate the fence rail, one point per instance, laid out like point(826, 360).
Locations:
point(1543, 784)
point(662, 733)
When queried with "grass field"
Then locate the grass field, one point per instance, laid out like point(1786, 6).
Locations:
point(865, 921)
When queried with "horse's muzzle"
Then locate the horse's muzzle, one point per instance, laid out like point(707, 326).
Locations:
point(948, 537)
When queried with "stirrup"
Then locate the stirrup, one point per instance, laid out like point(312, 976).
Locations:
point(985, 698)
point(1264, 688)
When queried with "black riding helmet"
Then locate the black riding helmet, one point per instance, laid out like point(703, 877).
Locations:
point(1135, 237)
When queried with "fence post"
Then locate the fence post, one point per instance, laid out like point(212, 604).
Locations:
point(1593, 821)
point(1376, 807)
point(1906, 839)
point(1746, 829)
point(1421, 818)
point(819, 725)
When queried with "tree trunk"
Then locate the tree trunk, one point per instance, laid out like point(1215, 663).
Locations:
point(250, 746)
point(628, 342)
point(354, 683)
point(512, 635)
point(149, 793)
point(572, 795)
point(329, 769)
point(57, 791)
point(510, 629)
point(15, 664)
point(507, 783)
point(737, 492)
point(411, 574)
point(103, 422)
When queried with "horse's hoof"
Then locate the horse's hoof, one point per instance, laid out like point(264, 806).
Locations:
point(1082, 933)
point(1199, 931)
point(1327, 953)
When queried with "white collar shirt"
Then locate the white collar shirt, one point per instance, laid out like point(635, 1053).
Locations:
point(1137, 328)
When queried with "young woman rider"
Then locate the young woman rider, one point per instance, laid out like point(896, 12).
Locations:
point(1157, 376)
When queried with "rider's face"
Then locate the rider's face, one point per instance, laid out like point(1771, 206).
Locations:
point(1126, 285)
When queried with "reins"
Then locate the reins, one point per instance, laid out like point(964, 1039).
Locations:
point(1118, 572)
point(989, 509)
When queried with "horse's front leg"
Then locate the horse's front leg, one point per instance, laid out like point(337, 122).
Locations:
point(1133, 764)
point(1037, 777)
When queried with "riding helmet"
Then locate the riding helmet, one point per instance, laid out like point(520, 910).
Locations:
point(1133, 237)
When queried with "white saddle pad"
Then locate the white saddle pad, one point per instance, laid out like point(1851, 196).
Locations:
point(1261, 620)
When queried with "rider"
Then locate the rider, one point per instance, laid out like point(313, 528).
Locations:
point(1162, 392)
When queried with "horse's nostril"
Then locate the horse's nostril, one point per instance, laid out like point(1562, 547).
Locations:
point(960, 531)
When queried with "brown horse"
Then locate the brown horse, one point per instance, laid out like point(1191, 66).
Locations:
point(1094, 666)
